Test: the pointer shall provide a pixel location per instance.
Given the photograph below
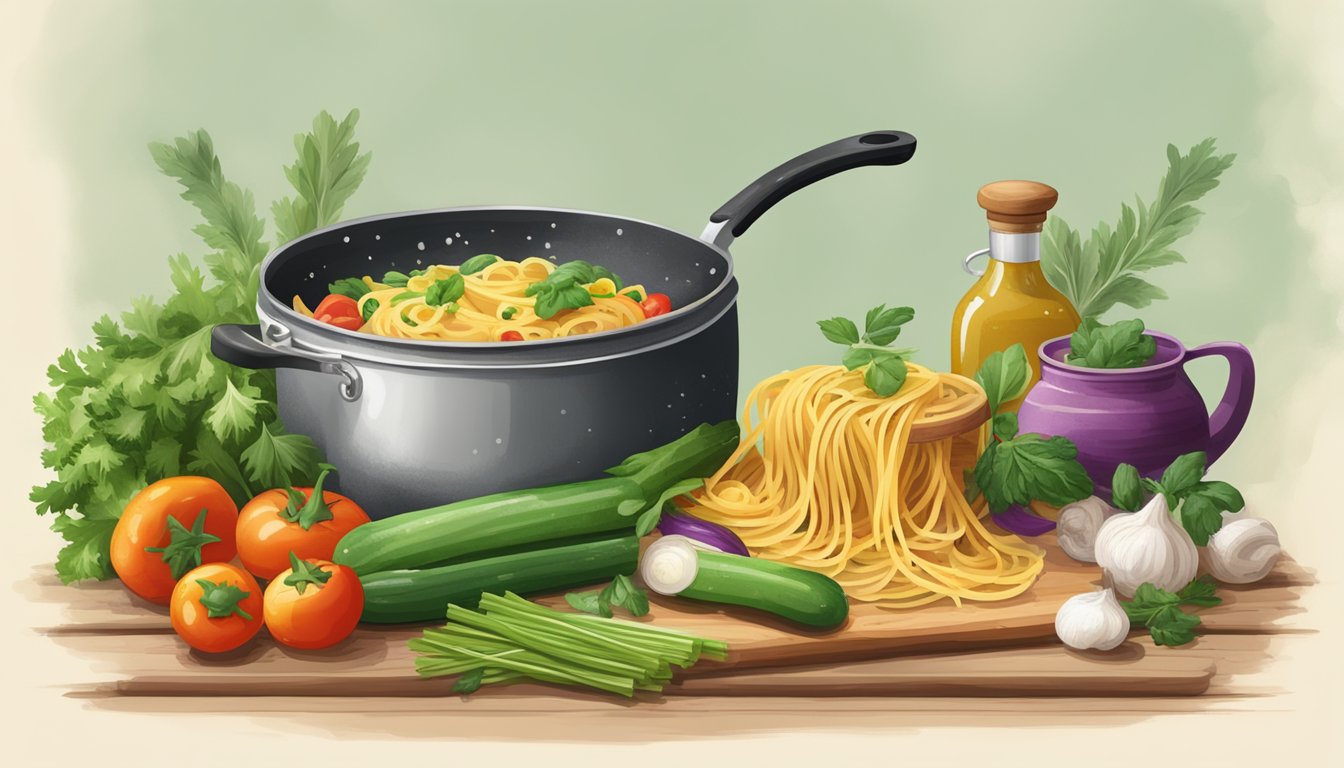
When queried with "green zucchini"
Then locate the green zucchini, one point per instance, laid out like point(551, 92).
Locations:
point(674, 565)
point(397, 597)
point(513, 519)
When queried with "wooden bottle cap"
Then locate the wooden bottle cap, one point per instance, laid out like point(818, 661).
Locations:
point(1016, 207)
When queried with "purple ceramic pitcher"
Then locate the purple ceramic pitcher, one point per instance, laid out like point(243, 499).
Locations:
point(1142, 416)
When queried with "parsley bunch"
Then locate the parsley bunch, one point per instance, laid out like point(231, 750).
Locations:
point(1160, 610)
point(147, 400)
point(1198, 503)
point(884, 369)
point(1017, 469)
point(620, 593)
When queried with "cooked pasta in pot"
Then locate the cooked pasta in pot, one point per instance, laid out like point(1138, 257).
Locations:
point(488, 298)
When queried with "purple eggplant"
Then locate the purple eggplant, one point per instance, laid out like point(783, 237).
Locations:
point(1023, 522)
point(711, 535)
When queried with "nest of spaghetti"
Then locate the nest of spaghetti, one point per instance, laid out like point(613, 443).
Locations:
point(869, 490)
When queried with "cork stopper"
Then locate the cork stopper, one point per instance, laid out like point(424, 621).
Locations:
point(1016, 207)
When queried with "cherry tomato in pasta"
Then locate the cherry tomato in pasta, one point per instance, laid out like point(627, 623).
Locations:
point(348, 323)
point(511, 336)
point(656, 304)
point(337, 305)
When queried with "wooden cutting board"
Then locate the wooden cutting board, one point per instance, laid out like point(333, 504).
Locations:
point(976, 650)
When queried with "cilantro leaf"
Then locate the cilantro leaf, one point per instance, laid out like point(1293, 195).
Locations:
point(87, 554)
point(620, 593)
point(1004, 376)
point(278, 460)
point(235, 413)
point(1183, 473)
point(477, 263)
point(882, 326)
point(352, 287)
point(840, 330)
point(1159, 610)
point(886, 375)
point(445, 291)
point(469, 681)
point(1126, 490)
point(1005, 425)
point(1031, 467)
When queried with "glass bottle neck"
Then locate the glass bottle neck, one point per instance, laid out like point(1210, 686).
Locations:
point(1015, 248)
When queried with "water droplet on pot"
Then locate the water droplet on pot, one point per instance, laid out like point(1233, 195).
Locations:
point(370, 258)
point(619, 231)
point(447, 241)
point(492, 231)
point(563, 411)
point(499, 441)
point(311, 275)
point(420, 245)
point(419, 262)
point(529, 237)
point(590, 429)
point(377, 237)
point(457, 234)
point(346, 239)
point(713, 270)
point(475, 451)
point(547, 245)
point(702, 375)
point(552, 225)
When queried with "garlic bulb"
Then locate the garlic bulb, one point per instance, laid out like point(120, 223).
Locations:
point(1242, 551)
point(1078, 526)
point(1146, 546)
point(1092, 620)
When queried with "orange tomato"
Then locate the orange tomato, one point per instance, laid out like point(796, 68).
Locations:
point(169, 528)
point(298, 520)
point(313, 604)
point(216, 607)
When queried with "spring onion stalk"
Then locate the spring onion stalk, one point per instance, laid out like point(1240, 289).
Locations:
point(510, 639)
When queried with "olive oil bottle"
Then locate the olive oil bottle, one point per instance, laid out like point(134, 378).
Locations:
point(1011, 302)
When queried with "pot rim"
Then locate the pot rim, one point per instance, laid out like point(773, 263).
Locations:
point(283, 313)
point(1056, 364)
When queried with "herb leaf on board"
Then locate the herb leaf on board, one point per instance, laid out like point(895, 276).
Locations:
point(1126, 490)
point(147, 400)
point(620, 593)
point(1160, 611)
point(1104, 270)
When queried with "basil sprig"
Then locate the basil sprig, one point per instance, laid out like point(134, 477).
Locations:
point(884, 368)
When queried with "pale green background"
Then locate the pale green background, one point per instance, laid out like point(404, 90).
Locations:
point(663, 110)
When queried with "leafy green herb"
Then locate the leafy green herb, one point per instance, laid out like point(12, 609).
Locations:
point(620, 593)
point(564, 288)
point(1119, 345)
point(1104, 271)
point(1017, 469)
point(1160, 611)
point(445, 291)
point(396, 279)
point(884, 368)
point(369, 307)
point(634, 296)
point(404, 295)
point(147, 400)
point(470, 681)
point(477, 263)
point(1004, 376)
point(349, 286)
point(1199, 504)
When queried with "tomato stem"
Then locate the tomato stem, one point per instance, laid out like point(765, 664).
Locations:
point(183, 551)
point(305, 572)
point(313, 510)
point(221, 599)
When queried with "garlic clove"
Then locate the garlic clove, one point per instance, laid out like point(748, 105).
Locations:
point(1092, 620)
point(1147, 546)
point(1243, 551)
point(1078, 526)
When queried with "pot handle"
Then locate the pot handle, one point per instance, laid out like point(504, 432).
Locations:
point(873, 148)
point(1229, 416)
point(245, 347)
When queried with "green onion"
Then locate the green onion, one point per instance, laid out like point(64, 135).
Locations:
point(511, 639)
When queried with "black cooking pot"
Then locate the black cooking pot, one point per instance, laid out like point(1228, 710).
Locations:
point(413, 424)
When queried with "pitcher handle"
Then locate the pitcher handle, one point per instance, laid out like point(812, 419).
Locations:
point(1229, 416)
